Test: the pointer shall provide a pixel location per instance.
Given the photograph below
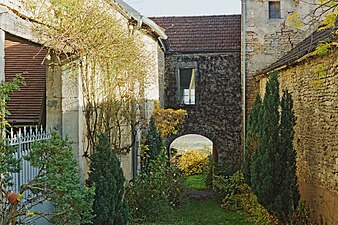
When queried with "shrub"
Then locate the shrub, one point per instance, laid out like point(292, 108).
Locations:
point(152, 145)
point(106, 175)
point(273, 168)
point(193, 162)
point(301, 216)
point(218, 169)
point(58, 181)
point(237, 195)
point(155, 191)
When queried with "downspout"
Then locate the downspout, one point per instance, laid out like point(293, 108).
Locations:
point(134, 152)
point(244, 74)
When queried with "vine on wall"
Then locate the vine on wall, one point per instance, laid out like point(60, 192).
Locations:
point(111, 62)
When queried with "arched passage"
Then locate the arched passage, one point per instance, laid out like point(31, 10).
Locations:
point(190, 142)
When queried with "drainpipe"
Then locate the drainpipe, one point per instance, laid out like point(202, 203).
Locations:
point(244, 2)
point(134, 152)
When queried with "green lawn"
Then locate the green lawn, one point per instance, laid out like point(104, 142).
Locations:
point(206, 212)
point(197, 181)
point(201, 212)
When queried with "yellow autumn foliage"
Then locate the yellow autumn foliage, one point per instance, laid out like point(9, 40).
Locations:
point(193, 162)
point(168, 121)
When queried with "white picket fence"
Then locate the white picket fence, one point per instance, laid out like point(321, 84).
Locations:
point(23, 140)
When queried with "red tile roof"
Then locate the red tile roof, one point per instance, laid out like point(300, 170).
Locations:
point(202, 33)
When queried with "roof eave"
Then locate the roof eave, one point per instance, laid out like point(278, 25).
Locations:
point(132, 13)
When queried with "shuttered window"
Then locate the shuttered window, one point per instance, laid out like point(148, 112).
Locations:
point(27, 106)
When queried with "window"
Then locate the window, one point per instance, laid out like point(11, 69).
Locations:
point(187, 86)
point(274, 10)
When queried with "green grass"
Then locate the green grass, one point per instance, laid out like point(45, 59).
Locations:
point(206, 212)
point(201, 212)
point(197, 181)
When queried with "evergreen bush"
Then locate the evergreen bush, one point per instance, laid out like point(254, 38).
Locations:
point(252, 138)
point(237, 195)
point(273, 169)
point(106, 176)
point(152, 145)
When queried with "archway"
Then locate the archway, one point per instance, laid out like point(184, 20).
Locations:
point(190, 142)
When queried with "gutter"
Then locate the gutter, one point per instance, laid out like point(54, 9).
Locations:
point(132, 13)
point(244, 2)
point(171, 51)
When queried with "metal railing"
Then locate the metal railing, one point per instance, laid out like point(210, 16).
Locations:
point(23, 140)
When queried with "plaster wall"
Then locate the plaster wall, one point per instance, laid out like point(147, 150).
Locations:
point(269, 39)
point(316, 133)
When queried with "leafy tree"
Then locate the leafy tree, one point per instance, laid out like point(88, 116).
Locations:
point(155, 192)
point(324, 15)
point(107, 176)
point(273, 170)
point(168, 121)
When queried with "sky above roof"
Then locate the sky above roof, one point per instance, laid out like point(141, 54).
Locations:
point(185, 7)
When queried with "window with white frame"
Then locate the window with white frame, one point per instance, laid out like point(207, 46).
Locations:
point(187, 86)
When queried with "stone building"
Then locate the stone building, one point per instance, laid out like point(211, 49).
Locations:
point(51, 97)
point(202, 75)
point(313, 83)
point(270, 42)
point(267, 35)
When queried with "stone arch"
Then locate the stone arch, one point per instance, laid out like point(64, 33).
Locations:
point(171, 139)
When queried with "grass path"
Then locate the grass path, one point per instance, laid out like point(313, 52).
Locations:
point(201, 211)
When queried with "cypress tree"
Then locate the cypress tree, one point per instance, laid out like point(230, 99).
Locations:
point(289, 187)
point(273, 170)
point(265, 169)
point(107, 177)
point(252, 137)
point(153, 144)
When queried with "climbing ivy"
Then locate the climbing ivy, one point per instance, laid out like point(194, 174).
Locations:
point(110, 61)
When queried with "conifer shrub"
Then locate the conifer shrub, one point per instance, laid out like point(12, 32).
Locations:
point(272, 171)
point(152, 145)
point(106, 176)
point(193, 162)
point(252, 138)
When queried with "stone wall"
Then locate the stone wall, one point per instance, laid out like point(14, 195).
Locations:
point(217, 112)
point(316, 138)
point(269, 39)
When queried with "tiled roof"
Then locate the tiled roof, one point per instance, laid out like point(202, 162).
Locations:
point(202, 33)
point(305, 47)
